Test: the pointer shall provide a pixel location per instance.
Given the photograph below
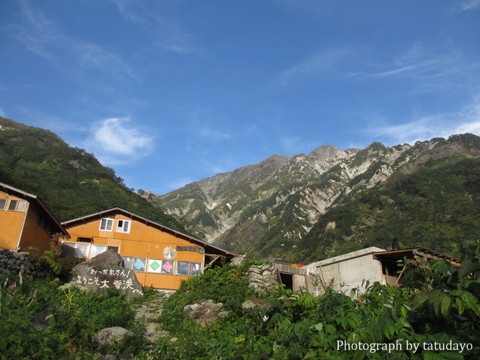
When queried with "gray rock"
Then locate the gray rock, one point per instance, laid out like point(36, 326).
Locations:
point(110, 336)
point(107, 271)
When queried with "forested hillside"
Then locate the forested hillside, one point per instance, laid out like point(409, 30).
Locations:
point(71, 182)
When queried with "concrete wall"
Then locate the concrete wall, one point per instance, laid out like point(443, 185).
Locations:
point(346, 272)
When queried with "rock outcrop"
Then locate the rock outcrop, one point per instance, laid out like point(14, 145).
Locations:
point(107, 271)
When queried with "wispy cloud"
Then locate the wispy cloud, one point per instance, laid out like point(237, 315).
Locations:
point(322, 62)
point(470, 5)
point(168, 34)
point(116, 141)
point(466, 120)
point(45, 39)
point(128, 9)
point(213, 134)
point(96, 57)
point(420, 63)
point(425, 70)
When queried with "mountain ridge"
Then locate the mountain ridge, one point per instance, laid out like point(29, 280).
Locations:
point(278, 210)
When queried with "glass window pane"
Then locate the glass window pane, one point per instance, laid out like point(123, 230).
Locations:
point(97, 249)
point(194, 269)
point(128, 262)
point(106, 224)
point(154, 265)
point(183, 268)
point(167, 267)
point(139, 264)
point(21, 205)
point(12, 205)
point(2, 203)
point(82, 250)
point(123, 226)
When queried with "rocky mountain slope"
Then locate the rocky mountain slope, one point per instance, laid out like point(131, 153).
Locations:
point(269, 209)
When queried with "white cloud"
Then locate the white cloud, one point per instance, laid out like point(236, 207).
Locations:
point(116, 141)
point(2, 112)
point(467, 120)
point(470, 5)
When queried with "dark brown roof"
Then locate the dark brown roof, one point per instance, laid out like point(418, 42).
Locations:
point(209, 248)
point(33, 198)
point(401, 253)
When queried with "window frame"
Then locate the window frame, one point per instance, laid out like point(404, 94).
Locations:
point(121, 229)
point(89, 248)
point(107, 222)
point(19, 205)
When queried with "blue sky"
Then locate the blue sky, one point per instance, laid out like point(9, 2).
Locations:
point(169, 92)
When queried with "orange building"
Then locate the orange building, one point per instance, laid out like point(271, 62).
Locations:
point(25, 222)
point(161, 257)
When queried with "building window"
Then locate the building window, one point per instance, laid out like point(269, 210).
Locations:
point(106, 224)
point(84, 249)
point(182, 267)
point(135, 263)
point(194, 269)
point(154, 266)
point(123, 226)
point(167, 267)
point(84, 239)
point(3, 202)
point(17, 205)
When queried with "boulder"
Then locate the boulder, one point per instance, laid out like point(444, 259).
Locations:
point(110, 336)
point(106, 271)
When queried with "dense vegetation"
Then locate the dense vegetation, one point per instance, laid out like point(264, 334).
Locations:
point(71, 182)
point(46, 319)
point(435, 315)
point(437, 310)
point(431, 207)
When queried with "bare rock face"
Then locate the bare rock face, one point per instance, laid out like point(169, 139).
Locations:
point(206, 312)
point(106, 271)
